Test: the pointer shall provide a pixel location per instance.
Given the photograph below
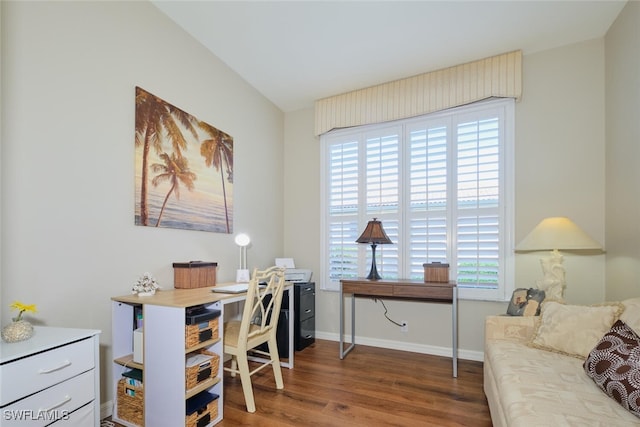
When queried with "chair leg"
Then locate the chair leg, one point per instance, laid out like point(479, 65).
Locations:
point(234, 365)
point(275, 362)
point(245, 378)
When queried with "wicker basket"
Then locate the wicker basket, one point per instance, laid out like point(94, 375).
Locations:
point(200, 332)
point(130, 403)
point(204, 416)
point(194, 375)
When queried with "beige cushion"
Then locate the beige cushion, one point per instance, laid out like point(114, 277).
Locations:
point(573, 329)
point(631, 314)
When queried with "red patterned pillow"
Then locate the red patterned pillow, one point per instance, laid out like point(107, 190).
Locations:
point(614, 365)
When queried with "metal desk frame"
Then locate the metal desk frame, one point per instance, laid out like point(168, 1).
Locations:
point(399, 289)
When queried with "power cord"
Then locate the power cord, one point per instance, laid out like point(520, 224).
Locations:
point(386, 311)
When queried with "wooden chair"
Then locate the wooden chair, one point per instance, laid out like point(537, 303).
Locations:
point(258, 325)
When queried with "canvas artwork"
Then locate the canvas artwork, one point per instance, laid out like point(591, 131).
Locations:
point(183, 169)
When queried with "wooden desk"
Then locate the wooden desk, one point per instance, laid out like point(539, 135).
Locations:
point(165, 393)
point(399, 289)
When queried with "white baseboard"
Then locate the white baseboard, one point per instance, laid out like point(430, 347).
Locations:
point(405, 346)
point(106, 409)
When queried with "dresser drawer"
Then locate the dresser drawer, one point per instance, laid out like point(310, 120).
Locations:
point(54, 403)
point(83, 417)
point(26, 376)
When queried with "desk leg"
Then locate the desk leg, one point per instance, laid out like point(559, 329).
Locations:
point(454, 336)
point(292, 314)
point(344, 352)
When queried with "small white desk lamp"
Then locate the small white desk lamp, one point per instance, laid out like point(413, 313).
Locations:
point(556, 233)
point(242, 274)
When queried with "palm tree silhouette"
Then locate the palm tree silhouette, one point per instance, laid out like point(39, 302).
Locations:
point(153, 116)
point(216, 151)
point(175, 170)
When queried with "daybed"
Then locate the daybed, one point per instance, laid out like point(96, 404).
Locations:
point(533, 367)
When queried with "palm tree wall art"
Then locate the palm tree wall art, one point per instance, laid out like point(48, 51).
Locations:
point(183, 169)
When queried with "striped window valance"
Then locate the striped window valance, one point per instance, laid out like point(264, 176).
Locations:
point(497, 76)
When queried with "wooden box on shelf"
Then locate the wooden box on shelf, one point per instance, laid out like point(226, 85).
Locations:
point(194, 274)
point(436, 272)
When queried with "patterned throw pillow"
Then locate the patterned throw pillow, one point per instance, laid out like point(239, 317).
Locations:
point(614, 365)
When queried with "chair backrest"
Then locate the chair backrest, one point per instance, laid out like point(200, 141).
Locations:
point(262, 306)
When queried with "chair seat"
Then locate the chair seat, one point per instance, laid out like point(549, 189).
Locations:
point(232, 331)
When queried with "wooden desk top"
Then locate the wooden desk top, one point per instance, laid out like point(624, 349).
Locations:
point(399, 288)
point(183, 297)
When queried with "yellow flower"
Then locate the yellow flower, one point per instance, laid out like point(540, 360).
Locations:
point(17, 305)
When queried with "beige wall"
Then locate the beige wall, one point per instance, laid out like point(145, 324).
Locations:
point(559, 171)
point(559, 158)
point(68, 237)
point(623, 151)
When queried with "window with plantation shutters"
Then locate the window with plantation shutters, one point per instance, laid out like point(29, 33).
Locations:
point(441, 184)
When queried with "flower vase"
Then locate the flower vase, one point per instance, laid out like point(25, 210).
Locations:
point(17, 331)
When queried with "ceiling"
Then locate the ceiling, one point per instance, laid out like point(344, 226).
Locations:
point(295, 52)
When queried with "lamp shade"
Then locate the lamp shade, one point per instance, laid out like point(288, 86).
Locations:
point(557, 233)
point(374, 233)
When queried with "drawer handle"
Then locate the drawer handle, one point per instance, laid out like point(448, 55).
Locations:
point(57, 368)
point(308, 289)
point(66, 399)
point(309, 336)
point(307, 311)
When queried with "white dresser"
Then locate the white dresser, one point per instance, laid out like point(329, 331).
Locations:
point(51, 378)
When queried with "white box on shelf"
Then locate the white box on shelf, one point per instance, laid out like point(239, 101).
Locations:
point(138, 355)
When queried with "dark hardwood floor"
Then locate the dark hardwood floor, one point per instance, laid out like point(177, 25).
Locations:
point(371, 386)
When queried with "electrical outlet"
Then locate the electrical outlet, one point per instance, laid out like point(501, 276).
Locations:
point(404, 327)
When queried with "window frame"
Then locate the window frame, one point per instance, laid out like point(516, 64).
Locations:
point(505, 209)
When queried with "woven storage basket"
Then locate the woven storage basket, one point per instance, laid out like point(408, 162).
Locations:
point(199, 418)
point(193, 374)
point(200, 332)
point(130, 408)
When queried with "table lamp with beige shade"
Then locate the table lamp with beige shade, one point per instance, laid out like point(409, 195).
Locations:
point(555, 234)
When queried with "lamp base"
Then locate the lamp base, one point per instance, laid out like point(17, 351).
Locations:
point(243, 276)
point(373, 274)
point(553, 282)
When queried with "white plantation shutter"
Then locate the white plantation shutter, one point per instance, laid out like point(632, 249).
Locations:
point(382, 195)
point(343, 210)
point(428, 180)
point(478, 194)
point(439, 184)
